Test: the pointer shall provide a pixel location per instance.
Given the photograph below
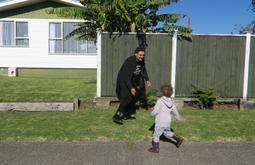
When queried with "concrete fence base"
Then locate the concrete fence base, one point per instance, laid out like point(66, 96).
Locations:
point(247, 105)
point(112, 102)
point(33, 107)
point(236, 104)
point(107, 102)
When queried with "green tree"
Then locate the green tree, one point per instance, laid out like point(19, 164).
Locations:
point(122, 16)
point(251, 26)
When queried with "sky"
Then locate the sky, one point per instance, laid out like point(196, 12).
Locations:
point(213, 16)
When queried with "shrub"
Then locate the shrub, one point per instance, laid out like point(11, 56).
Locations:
point(151, 97)
point(204, 97)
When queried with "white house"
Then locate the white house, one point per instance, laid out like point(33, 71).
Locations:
point(31, 38)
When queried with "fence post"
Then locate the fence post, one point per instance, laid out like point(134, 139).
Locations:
point(246, 65)
point(99, 52)
point(174, 54)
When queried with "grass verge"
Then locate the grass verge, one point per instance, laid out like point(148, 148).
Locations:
point(18, 89)
point(96, 125)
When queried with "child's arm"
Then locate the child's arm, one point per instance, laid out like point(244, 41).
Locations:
point(175, 112)
point(156, 108)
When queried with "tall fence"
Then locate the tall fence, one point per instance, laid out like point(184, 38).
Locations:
point(251, 86)
point(115, 49)
point(209, 61)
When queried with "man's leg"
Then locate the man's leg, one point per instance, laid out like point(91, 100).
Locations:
point(117, 118)
point(124, 102)
point(143, 99)
point(130, 110)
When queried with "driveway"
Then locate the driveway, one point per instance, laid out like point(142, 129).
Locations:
point(121, 153)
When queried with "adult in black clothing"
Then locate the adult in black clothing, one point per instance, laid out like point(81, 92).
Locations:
point(130, 81)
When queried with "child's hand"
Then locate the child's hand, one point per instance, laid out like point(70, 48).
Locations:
point(182, 118)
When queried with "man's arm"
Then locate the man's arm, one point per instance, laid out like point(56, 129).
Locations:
point(146, 77)
point(127, 74)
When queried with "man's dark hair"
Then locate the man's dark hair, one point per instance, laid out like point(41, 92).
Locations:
point(166, 90)
point(138, 49)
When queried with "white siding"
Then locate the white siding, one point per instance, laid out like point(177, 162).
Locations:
point(36, 55)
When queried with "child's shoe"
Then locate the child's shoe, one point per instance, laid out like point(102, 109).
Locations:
point(179, 140)
point(154, 148)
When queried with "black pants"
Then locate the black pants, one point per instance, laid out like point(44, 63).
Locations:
point(127, 105)
point(142, 98)
point(127, 101)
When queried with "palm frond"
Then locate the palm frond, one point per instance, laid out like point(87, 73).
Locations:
point(84, 31)
point(160, 3)
point(169, 18)
point(183, 32)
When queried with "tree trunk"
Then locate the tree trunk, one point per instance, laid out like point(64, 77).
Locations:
point(133, 27)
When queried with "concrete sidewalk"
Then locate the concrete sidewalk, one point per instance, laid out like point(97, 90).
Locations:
point(118, 153)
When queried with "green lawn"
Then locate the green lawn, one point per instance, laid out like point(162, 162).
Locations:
point(200, 125)
point(20, 89)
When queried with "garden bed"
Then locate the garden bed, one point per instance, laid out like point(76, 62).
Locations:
point(223, 104)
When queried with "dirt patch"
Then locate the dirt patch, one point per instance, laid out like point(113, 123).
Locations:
point(230, 104)
point(228, 139)
point(103, 139)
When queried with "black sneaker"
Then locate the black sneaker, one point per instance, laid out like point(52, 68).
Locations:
point(129, 118)
point(117, 120)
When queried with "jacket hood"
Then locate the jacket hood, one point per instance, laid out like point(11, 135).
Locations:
point(167, 101)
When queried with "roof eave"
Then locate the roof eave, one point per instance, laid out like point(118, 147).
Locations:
point(8, 5)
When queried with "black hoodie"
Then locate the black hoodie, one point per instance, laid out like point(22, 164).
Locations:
point(126, 75)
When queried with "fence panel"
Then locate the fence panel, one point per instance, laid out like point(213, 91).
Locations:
point(251, 86)
point(211, 62)
point(208, 61)
point(115, 49)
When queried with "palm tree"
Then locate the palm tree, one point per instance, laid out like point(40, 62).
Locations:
point(121, 16)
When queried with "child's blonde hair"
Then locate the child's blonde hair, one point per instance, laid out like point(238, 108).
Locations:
point(166, 90)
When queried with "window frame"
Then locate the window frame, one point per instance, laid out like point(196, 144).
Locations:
point(15, 38)
point(62, 41)
point(61, 38)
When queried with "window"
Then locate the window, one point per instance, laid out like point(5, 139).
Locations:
point(22, 34)
point(14, 33)
point(59, 45)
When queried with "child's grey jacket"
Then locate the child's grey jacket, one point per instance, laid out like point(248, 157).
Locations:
point(162, 112)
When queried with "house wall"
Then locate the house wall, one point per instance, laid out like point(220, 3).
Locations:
point(3, 71)
point(55, 73)
point(36, 55)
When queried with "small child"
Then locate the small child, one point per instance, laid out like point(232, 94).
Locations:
point(162, 113)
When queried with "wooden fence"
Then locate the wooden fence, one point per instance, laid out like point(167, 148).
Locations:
point(116, 49)
point(209, 61)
